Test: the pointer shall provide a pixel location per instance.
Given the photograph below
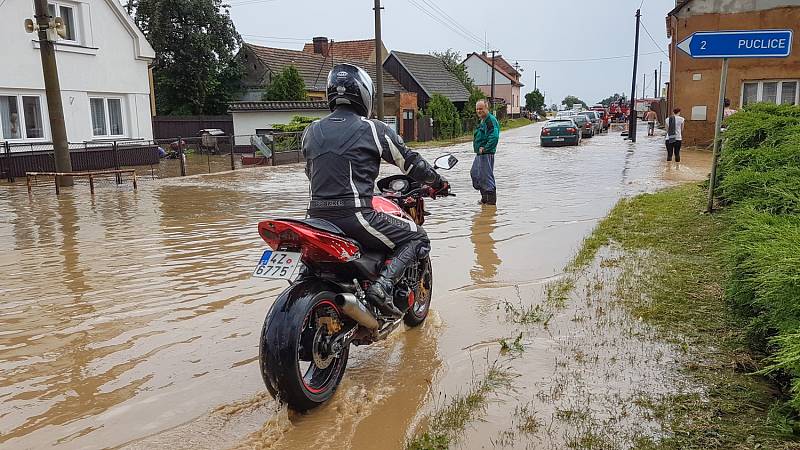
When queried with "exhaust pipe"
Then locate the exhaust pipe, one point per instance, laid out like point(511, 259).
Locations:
point(356, 310)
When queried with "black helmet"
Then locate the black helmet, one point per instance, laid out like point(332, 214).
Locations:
point(350, 85)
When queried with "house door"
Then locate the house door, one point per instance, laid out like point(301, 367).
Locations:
point(408, 125)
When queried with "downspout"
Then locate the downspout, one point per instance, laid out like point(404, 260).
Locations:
point(152, 90)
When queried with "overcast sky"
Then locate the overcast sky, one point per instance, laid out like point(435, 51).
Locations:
point(533, 32)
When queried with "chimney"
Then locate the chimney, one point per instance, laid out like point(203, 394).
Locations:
point(321, 45)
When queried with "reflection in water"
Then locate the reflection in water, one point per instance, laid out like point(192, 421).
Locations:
point(484, 223)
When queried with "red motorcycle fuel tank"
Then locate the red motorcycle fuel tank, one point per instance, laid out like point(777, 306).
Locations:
point(386, 206)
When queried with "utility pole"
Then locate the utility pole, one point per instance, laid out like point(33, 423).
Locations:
point(632, 112)
point(378, 60)
point(536, 77)
point(491, 100)
point(53, 93)
point(644, 85)
point(656, 85)
point(659, 79)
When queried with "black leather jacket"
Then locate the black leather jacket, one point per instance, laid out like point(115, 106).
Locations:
point(343, 153)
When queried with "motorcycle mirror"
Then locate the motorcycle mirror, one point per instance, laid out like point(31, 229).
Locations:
point(445, 162)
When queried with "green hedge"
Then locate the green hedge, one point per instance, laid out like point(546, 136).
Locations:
point(760, 182)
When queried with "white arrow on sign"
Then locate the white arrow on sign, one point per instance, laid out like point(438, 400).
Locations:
point(686, 44)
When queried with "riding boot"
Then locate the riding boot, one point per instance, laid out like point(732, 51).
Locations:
point(483, 197)
point(381, 292)
point(491, 198)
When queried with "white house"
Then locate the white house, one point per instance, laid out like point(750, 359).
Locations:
point(103, 72)
point(255, 118)
point(506, 79)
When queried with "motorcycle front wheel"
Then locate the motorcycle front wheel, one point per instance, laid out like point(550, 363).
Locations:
point(298, 361)
point(423, 292)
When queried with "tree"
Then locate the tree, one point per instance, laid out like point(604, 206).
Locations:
point(446, 120)
point(571, 100)
point(195, 70)
point(452, 61)
point(468, 116)
point(534, 101)
point(613, 99)
point(288, 85)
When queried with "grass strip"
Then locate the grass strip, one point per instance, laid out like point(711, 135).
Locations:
point(675, 282)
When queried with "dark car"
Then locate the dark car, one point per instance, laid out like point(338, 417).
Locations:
point(585, 125)
point(560, 132)
point(597, 122)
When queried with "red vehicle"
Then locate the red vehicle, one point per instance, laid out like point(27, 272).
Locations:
point(307, 333)
point(619, 111)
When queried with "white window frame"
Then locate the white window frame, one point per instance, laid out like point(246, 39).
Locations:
point(779, 96)
point(76, 17)
point(21, 112)
point(107, 118)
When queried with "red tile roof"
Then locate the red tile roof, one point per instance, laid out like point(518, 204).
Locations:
point(361, 50)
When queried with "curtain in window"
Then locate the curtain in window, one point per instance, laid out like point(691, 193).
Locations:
point(98, 116)
point(69, 22)
point(750, 93)
point(34, 128)
point(770, 92)
point(115, 116)
point(9, 117)
point(788, 92)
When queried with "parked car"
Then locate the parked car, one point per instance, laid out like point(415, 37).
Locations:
point(586, 126)
point(560, 132)
point(595, 119)
point(604, 115)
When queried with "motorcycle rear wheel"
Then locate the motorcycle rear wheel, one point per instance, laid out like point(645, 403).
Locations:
point(295, 365)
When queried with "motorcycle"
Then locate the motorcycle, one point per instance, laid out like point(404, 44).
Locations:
point(306, 337)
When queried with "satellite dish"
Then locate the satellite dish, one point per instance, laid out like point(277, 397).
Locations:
point(258, 143)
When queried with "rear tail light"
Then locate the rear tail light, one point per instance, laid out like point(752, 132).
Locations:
point(588, 125)
point(545, 131)
point(315, 245)
point(571, 130)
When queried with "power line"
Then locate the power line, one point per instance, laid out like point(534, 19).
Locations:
point(654, 41)
point(605, 58)
point(249, 2)
point(444, 22)
point(276, 38)
point(451, 19)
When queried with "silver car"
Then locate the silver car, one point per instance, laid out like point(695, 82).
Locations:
point(597, 121)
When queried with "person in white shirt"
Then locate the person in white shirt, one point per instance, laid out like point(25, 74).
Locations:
point(675, 135)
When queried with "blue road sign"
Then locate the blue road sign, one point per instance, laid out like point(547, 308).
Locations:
point(739, 44)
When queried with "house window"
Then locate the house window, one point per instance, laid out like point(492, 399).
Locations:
point(771, 91)
point(21, 117)
point(106, 116)
point(67, 14)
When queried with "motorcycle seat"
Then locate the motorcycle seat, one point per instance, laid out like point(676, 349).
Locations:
point(320, 224)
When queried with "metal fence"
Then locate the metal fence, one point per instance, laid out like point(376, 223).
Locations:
point(157, 158)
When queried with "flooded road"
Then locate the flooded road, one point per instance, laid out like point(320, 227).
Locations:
point(130, 318)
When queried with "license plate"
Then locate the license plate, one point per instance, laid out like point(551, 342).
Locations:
point(558, 139)
point(277, 265)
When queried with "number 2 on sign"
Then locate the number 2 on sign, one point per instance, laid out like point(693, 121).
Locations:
point(703, 45)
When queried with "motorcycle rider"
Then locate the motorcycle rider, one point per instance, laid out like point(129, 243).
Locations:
point(343, 152)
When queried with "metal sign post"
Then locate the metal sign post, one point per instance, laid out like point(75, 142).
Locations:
point(733, 44)
point(723, 85)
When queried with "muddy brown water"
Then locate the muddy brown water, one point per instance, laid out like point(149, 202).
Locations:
point(129, 318)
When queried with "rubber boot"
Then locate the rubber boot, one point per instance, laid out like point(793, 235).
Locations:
point(380, 293)
point(483, 197)
point(491, 198)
